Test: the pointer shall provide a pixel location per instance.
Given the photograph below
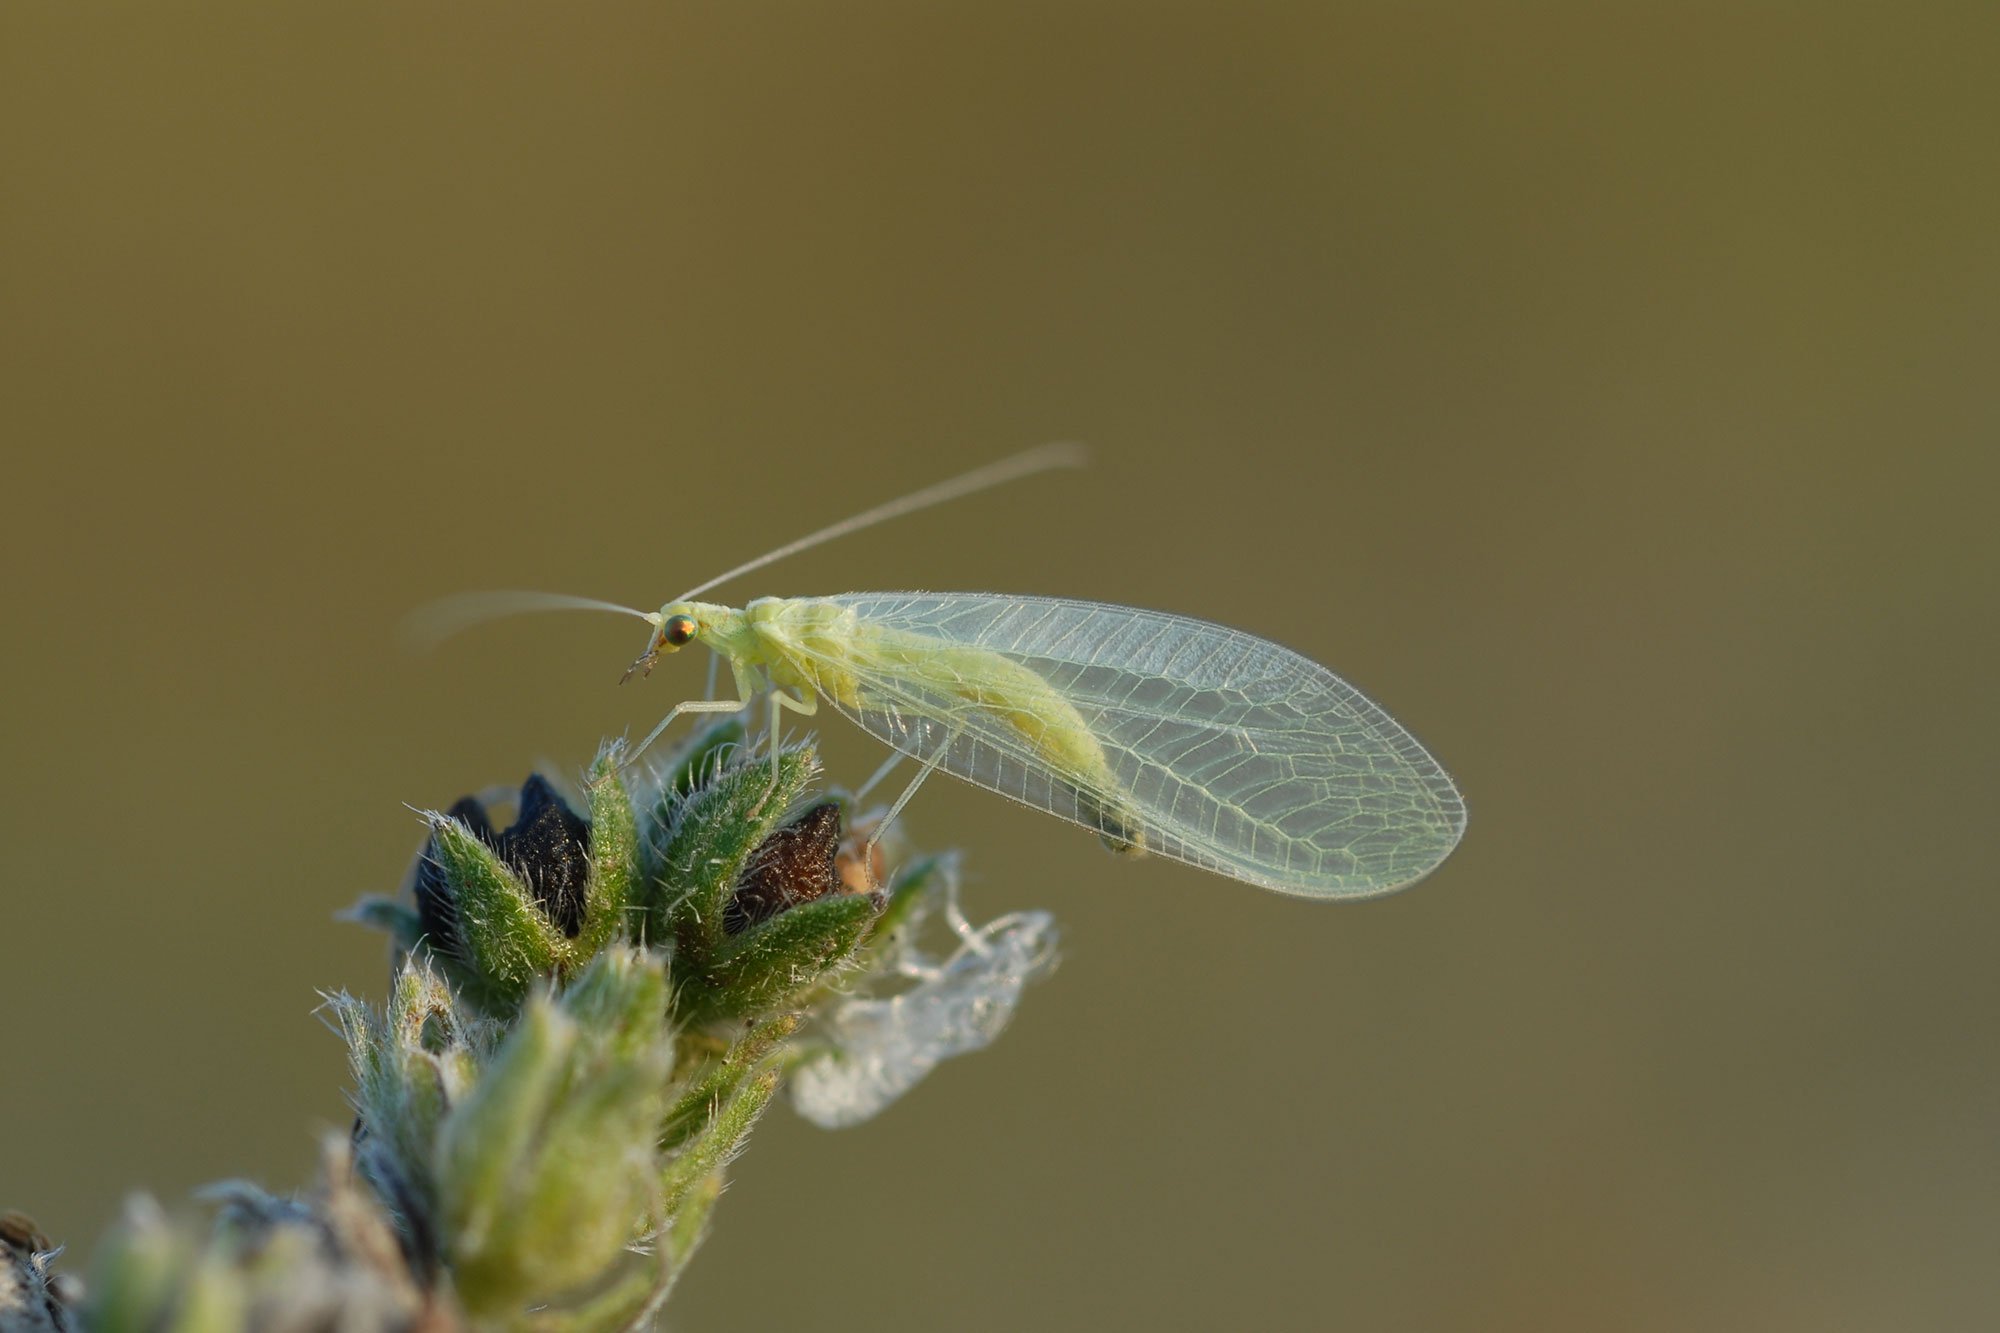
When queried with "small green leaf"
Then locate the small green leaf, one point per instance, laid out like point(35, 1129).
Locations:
point(770, 962)
point(686, 1183)
point(548, 1164)
point(587, 1188)
point(505, 943)
point(705, 754)
point(712, 834)
point(483, 1143)
point(216, 1298)
point(620, 1003)
point(137, 1271)
point(614, 859)
point(716, 1079)
point(687, 1226)
point(619, 1308)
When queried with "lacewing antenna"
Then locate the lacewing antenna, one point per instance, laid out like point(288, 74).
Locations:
point(430, 625)
point(1024, 464)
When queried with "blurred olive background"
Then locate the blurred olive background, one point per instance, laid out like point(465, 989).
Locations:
point(1607, 390)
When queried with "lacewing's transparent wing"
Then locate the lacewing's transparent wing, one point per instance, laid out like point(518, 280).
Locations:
point(1227, 751)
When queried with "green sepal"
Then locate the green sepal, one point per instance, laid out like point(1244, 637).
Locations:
point(774, 960)
point(620, 1001)
point(718, 1076)
point(614, 859)
point(216, 1298)
point(629, 1302)
point(505, 944)
point(686, 1182)
point(711, 834)
point(545, 1165)
point(137, 1272)
point(618, 1308)
point(584, 1200)
point(411, 1063)
point(485, 1141)
point(690, 1219)
point(697, 761)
